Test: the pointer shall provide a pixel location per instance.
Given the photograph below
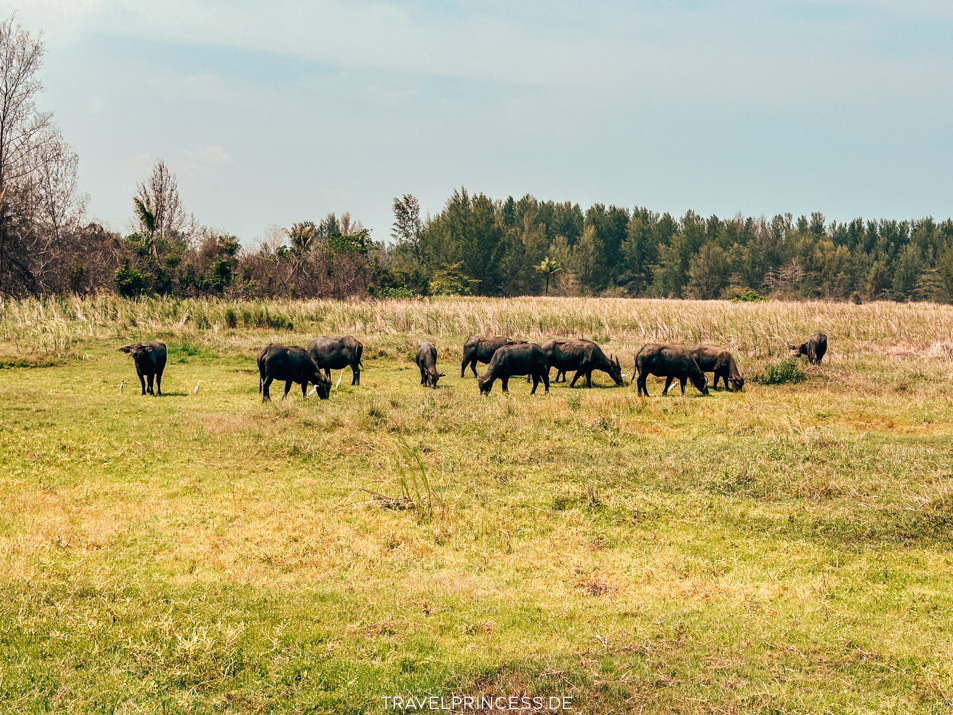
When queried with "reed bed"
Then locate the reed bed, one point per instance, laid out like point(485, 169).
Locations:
point(56, 326)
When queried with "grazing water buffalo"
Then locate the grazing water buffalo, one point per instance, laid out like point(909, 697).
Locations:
point(480, 349)
point(583, 356)
point(721, 362)
point(814, 348)
point(291, 364)
point(517, 359)
point(337, 354)
point(150, 362)
point(427, 362)
point(673, 362)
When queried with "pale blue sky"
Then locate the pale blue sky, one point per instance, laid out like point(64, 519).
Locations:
point(271, 113)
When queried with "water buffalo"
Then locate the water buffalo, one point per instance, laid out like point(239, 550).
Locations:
point(427, 362)
point(516, 359)
point(673, 362)
point(583, 356)
point(150, 362)
point(721, 362)
point(337, 354)
point(814, 348)
point(480, 349)
point(291, 364)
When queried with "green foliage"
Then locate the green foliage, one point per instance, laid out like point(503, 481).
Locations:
point(451, 281)
point(737, 294)
point(401, 292)
point(780, 373)
point(359, 242)
point(129, 281)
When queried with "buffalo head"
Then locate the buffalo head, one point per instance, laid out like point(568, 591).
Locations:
point(615, 371)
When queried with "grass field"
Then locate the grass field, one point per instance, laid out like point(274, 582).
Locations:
point(784, 549)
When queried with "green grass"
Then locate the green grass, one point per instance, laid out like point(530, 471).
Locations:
point(785, 549)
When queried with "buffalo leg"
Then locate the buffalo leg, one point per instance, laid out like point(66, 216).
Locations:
point(304, 388)
point(159, 384)
point(681, 382)
point(535, 379)
point(546, 381)
point(505, 382)
point(668, 384)
point(641, 383)
point(287, 389)
point(142, 381)
point(355, 375)
point(265, 395)
point(151, 378)
point(575, 377)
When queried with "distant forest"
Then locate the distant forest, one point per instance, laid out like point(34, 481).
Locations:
point(529, 247)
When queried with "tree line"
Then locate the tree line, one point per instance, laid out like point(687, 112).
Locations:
point(527, 246)
point(475, 245)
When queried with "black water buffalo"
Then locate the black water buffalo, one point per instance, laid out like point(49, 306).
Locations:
point(150, 362)
point(583, 356)
point(480, 349)
point(673, 362)
point(814, 348)
point(290, 364)
point(516, 359)
point(337, 354)
point(427, 362)
point(721, 362)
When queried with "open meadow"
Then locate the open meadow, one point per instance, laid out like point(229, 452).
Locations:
point(782, 549)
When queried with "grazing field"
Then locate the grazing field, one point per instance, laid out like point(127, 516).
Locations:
point(783, 549)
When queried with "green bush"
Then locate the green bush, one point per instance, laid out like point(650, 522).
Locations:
point(779, 373)
point(736, 294)
point(401, 292)
point(130, 282)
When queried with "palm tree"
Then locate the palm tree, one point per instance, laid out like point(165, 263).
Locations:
point(548, 268)
point(301, 237)
point(147, 222)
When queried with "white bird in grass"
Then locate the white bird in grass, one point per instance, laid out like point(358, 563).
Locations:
point(338, 384)
point(196, 390)
point(121, 385)
point(313, 390)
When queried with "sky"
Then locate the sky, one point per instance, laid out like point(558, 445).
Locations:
point(270, 113)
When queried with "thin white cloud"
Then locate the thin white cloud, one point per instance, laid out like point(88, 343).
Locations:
point(142, 162)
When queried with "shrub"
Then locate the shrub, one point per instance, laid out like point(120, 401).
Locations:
point(401, 292)
point(736, 294)
point(130, 282)
point(779, 373)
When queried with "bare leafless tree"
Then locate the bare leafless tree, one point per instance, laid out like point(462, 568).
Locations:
point(40, 206)
point(159, 211)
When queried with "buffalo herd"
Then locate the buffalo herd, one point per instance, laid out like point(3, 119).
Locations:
point(504, 357)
